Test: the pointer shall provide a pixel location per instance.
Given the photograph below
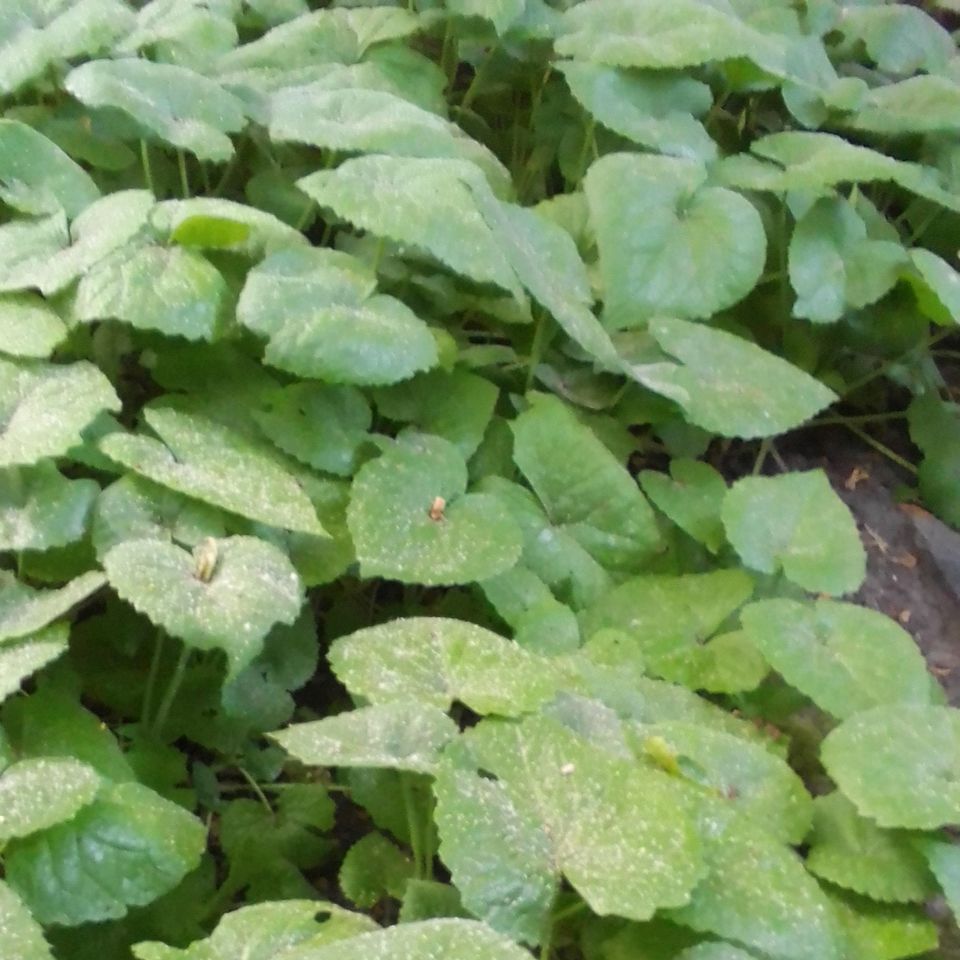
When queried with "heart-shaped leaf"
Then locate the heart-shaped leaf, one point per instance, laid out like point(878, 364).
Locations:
point(411, 519)
point(44, 408)
point(691, 496)
point(205, 460)
point(24, 611)
point(252, 586)
point(668, 244)
point(795, 522)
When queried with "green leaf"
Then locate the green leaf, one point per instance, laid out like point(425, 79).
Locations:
point(35, 171)
point(939, 282)
point(264, 931)
point(125, 849)
point(875, 931)
point(323, 320)
point(373, 868)
point(20, 659)
point(899, 38)
point(205, 460)
point(40, 508)
point(501, 13)
point(252, 586)
point(757, 893)
point(436, 661)
point(38, 793)
point(715, 951)
point(797, 523)
point(756, 783)
point(29, 327)
point(620, 834)
point(45, 407)
point(645, 33)
point(172, 290)
point(653, 109)
point(27, 246)
point(691, 497)
point(586, 492)
point(24, 611)
point(855, 853)
point(834, 266)
point(462, 418)
point(900, 765)
point(668, 618)
point(845, 657)
point(175, 104)
point(399, 735)
point(428, 900)
point(22, 935)
point(944, 861)
point(916, 105)
point(463, 939)
point(412, 520)
point(935, 428)
point(427, 204)
point(668, 244)
point(728, 385)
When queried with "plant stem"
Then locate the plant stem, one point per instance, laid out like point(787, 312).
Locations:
point(173, 687)
point(184, 180)
point(588, 134)
point(536, 349)
point(892, 362)
point(413, 826)
point(145, 162)
point(255, 787)
point(761, 456)
point(152, 677)
point(859, 418)
point(882, 448)
point(474, 87)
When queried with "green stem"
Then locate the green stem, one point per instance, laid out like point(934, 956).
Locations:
point(546, 938)
point(173, 687)
point(305, 216)
point(761, 456)
point(474, 87)
point(152, 678)
point(145, 162)
point(842, 421)
point(225, 176)
point(536, 349)
point(448, 57)
point(413, 826)
point(184, 180)
point(255, 787)
point(589, 133)
point(882, 448)
point(888, 364)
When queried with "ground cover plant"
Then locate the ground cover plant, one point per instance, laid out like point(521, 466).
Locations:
point(397, 562)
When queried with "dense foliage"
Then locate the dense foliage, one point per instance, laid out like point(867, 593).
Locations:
point(370, 587)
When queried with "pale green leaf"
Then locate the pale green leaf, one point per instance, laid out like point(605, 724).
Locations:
point(412, 520)
point(900, 765)
point(921, 104)
point(669, 618)
point(323, 320)
point(252, 586)
point(27, 246)
point(647, 33)
point(438, 661)
point(44, 408)
point(462, 417)
point(654, 109)
point(756, 783)
point(757, 893)
point(834, 266)
point(501, 13)
point(201, 221)
point(424, 204)
point(853, 852)
point(881, 931)
point(619, 833)
point(24, 611)
point(374, 867)
point(205, 460)
point(21, 934)
point(846, 658)
point(40, 508)
point(29, 326)
point(691, 497)
point(585, 491)
point(169, 289)
point(899, 38)
point(797, 523)
point(38, 793)
point(398, 735)
point(428, 939)
point(728, 663)
point(125, 849)
point(321, 425)
point(669, 245)
point(944, 861)
point(175, 104)
point(939, 281)
point(21, 659)
point(34, 169)
point(266, 931)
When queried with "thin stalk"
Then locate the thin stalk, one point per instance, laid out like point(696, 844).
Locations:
point(590, 131)
point(888, 364)
point(536, 349)
point(145, 163)
point(761, 456)
point(225, 176)
point(882, 448)
point(152, 677)
point(305, 216)
point(255, 787)
point(413, 826)
point(546, 937)
point(842, 421)
point(173, 688)
point(184, 180)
